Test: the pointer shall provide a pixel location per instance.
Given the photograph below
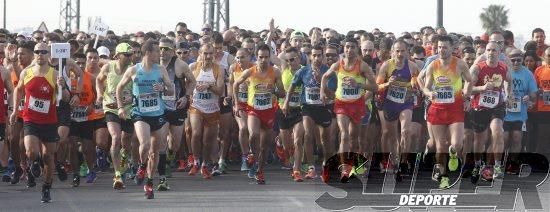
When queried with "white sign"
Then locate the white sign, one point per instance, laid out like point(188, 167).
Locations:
point(61, 50)
point(99, 29)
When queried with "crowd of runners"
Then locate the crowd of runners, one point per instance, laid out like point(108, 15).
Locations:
point(145, 104)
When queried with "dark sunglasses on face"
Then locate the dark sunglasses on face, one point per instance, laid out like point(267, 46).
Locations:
point(182, 52)
point(128, 54)
point(421, 59)
point(331, 54)
point(41, 52)
point(516, 60)
point(291, 60)
point(181, 32)
point(206, 30)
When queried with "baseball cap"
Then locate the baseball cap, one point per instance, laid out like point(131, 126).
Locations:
point(297, 34)
point(103, 51)
point(123, 48)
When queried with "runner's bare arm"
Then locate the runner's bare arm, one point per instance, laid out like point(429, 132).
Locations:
point(246, 73)
point(279, 83)
point(231, 81)
point(100, 82)
point(324, 80)
point(508, 84)
point(75, 69)
point(186, 76)
point(474, 72)
point(415, 71)
point(168, 84)
point(381, 77)
point(427, 89)
point(463, 68)
point(7, 83)
point(370, 82)
point(126, 78)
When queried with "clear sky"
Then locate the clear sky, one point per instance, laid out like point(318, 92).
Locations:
point(342, 15)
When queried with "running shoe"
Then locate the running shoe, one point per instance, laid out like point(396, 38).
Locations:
point(76, 181)
point(223, 167)
point(83, 169)
point(436, 174)
point(205, 173)
point(475, 174)
point(453, 159)
point(311, 173)
point(91, 177)
point(16, 175)
point(260, 180)
point(250, 160)
point(118, 184)
point(252, 172)
point(35, 169)
point(487, 173)
point(46, 197)
point(148, 188)
point(444, 183)
point(244, 164)
point(101, 160)
point(61, 173)
point(190, 160)
point(498, 172)
point(31, 183)
point(163, 185)
point(194, 170)
point(325, 175)
point(216, 170)
point(182, 165)
point(296, 176)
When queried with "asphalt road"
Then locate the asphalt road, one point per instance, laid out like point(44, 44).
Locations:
point(229, 192)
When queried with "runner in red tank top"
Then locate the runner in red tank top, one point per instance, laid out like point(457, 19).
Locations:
point(489, 109)
point(39, 114)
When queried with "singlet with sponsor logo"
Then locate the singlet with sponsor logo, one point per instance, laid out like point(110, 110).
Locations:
point(260, 89)
point(294, 99)
point(494, 97)
point(447, 86)
point(206, 101)
point(40, 97)
point(81, 112)
point(242, 93)
point(400, 91)
point(346, 93)
point(109, 95)
point(147, 101)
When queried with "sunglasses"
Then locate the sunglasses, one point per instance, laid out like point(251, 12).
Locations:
point(41, 52)
point(38, 38)
point(516, 60)
point(291, 60)
point(127, 54)
point(331, 54)
point(206, 30)
point(181, 32)
point(165, 48)
point(421, 59)
point(182, 52)
point(498, 41)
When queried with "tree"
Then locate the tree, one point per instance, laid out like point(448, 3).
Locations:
point(494, 18)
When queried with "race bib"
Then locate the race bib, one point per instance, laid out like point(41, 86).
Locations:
point(445, 95)
point(80, 114)
point(169, 98)
point(148, 102)
point(39, 105)
point(294, 100)
point(262, 101)
point(489, 99)
point(313, 96)
point(546, 97)
point(350, 93)
point(514, 106)
point(242, 96)
point(397, 94)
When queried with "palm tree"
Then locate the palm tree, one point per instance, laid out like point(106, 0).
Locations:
point(494, 18)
